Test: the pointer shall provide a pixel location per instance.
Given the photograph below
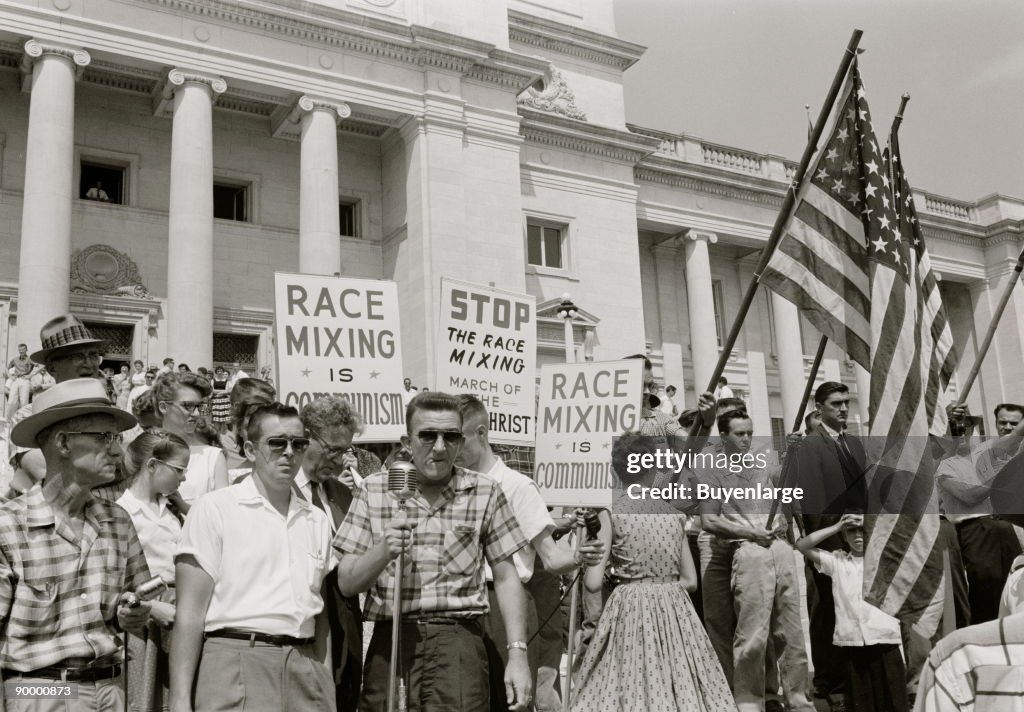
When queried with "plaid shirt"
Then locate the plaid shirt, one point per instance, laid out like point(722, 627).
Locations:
point(519, 457)
point(58, 590)
point(444, 572)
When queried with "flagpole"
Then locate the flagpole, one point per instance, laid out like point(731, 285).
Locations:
point(787, 463)
point(987, 341)
point(783, 216)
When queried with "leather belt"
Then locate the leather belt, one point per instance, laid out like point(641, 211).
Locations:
point(55, 672)
point(470, 624)
point(253, 638)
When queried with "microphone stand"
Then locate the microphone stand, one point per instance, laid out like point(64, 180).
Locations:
point(574, 602)
point(396, 686)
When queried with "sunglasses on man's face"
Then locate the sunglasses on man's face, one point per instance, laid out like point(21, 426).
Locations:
point(429, 437)
point(277, 445)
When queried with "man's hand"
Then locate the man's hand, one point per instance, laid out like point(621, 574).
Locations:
point(851, 521)
point(349, 466)
point(518, 682)
point(162, 613)
point(706, 407)
point(761, 537)
point(133, 620)
point(793, 441)
point(590, 553)
point(957, 411)
point(346, 478)
point(398, 534)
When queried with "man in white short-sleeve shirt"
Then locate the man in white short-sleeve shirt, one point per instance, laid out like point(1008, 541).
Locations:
point(536, 524)
point(249, 570)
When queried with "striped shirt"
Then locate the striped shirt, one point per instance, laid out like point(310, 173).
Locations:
point(444, 572)
point(59, 590)
point(976, 669)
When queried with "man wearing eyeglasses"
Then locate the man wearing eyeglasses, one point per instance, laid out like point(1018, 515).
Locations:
point(249, 570)
point(327, 479)
point(66, 557)
point(456, 520)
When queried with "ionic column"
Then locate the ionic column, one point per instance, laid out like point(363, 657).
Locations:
point(701, 307)
point(319, 229)
point(790, 350)
point(190, 222)
point(44, 270)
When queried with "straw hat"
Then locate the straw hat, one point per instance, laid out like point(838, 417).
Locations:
point(62, 332)
point(78, 396)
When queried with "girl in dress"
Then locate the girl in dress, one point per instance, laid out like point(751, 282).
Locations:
point(650, 651)
point(183, 405)
point(155, 464)
point(220, 400)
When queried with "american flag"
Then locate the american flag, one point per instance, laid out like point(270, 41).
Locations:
point(856, 275)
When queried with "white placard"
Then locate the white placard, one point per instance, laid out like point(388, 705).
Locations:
point(488, 347)
point(340, 336)
point(582, 407)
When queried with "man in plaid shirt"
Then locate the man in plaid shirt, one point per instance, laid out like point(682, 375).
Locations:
point(458, 519)
point(66, 558)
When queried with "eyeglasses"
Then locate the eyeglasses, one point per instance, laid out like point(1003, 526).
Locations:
point(450, 437)
point(107, 437)
point(177, 468)
point(190, 407)
point(333, 452)
point(92, 357)
point(277, 445)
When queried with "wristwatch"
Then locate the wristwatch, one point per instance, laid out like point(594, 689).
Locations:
point(516, 644)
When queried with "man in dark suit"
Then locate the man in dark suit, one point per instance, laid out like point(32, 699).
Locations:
point(325, 479)
point(830, 469)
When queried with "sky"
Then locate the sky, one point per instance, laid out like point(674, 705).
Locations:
point(740, 72)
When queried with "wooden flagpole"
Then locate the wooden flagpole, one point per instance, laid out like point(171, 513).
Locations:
point(783, 216)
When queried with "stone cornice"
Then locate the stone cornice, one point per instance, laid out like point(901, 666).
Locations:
point(573, 41)
point(711, 181)
point(558, 132)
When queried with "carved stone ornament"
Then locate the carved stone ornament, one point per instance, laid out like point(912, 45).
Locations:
point(100, 269)
point(555, 98)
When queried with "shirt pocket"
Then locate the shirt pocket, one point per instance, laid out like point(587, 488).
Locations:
point(461, 550)
point(34, 611)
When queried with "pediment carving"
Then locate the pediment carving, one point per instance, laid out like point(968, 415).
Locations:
point(557, 97)
point(100, 269)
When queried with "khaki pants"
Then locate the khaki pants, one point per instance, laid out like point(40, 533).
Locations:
point(99, 696)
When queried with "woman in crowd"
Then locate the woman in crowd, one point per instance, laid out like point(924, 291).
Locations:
point(245, 395)
point(182, 404)
point(122, 387)
point(220, 401)
point(155, 464)
point(649, 651)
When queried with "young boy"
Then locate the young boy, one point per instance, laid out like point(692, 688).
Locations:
point(869, 638)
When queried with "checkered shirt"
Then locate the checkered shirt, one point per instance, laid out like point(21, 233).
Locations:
point(59, 591)
point(444, 569)
point(654, 423)
point(519, 457)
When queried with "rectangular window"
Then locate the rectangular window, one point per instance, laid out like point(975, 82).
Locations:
point(242, 349)
point(544, 246)
point(348, 217)
point(779, 435)
point(231, 202)
point(716, 292)
point(102, 183)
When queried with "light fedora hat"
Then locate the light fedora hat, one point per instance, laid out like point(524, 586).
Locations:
point(62, 332)
point(78, 396)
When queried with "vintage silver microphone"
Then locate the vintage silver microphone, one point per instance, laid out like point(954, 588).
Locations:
point(403, 484)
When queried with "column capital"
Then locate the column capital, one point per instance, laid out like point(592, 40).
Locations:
point(696, 235)
point(286, 121)
point(163, 100)
point(36, 48)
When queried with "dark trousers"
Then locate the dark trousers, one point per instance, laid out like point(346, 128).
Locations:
point(826, 658)
point(876, 679)
point(989, 547)
point(444, 666)
point(697, 597)
point(495, 642)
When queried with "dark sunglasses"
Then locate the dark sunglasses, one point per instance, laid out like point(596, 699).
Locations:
point(429, 437)
point(278, 445)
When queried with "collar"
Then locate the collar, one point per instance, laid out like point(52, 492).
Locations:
point(832, 433)
point(133, 505)
point(301, 480)
point(247, 493)
point(39, 513)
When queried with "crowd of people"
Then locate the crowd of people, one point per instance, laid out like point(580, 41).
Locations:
point(179, 540)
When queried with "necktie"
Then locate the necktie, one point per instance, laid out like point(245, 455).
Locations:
point(314, 498)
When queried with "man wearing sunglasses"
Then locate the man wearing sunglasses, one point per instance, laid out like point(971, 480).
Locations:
point(456, 521)
point(67, 556)
point(249, 571)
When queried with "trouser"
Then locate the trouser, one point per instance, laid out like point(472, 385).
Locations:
point(444, 666)
point(876, 678)
point(767, 605)
point(255, 676)
point(988, 546)
point(98, 696)
point(829, 676)
point(20, 390)
point(697, 596)
point(719, 615)
point(544, 589)
point(496, 640)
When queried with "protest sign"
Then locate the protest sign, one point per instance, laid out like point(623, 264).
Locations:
point(340, 336)
point(583, 406)
point(488, 347)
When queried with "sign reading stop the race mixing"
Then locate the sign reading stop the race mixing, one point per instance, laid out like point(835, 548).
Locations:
point(488, 347)
point(340, 336)
point(582, 407)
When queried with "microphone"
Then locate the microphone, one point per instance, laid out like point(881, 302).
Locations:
point(146, 592)
point(402, 481)
point(403, 484)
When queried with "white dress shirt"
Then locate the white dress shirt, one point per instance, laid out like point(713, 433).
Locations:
point(159, 532)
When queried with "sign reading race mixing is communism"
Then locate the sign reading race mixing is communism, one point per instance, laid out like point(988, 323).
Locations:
point(340, 336)
point(583, 406)
point(488, 347)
